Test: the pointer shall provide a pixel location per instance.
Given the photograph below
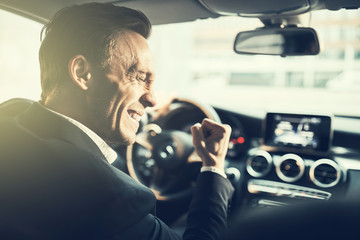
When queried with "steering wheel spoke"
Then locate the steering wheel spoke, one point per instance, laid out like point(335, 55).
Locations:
point(142, 139)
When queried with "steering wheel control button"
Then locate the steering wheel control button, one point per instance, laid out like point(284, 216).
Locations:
point(171, 149)
point(167, 151)
point(325, 173)
point(290, 167)
point(150, 163)
point(166, 154)
point(259, 163)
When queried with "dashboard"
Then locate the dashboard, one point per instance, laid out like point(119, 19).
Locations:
point(274, 159)
point(293, 158)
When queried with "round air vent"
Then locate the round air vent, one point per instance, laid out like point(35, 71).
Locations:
point(259, 163)
point(325, 173)
point(290, 167)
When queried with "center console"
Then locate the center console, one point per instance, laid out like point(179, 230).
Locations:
point(294, 162)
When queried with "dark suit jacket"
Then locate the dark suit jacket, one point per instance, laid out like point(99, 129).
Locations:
point(53, 189)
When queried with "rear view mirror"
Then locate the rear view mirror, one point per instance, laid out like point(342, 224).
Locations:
point(288, 41)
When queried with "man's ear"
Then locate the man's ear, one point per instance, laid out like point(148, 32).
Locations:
point(79, 70)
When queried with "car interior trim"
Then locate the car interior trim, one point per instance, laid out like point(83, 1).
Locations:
point(324, 162)
point(253, 155)
point(258, 186)
point(299, 162)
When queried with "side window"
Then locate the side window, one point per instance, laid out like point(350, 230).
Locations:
point(19, 64)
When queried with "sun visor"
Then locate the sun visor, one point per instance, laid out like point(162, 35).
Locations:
point(257, 8)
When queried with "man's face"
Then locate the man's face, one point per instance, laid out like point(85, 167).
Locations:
point(118, 97)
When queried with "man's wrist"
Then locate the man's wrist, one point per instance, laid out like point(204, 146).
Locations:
point(213, 169)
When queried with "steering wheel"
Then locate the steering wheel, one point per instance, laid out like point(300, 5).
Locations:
point(163, 156)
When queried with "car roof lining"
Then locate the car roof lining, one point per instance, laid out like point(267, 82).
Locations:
point(172, 11)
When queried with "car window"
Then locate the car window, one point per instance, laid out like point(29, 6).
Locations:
point(196, 59)
point(19, 46)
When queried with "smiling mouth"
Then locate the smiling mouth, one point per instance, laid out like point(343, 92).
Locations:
point(134, 115)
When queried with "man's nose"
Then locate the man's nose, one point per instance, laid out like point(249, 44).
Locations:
point(148, 99)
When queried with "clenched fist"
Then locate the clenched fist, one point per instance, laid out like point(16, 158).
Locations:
point(211, 141)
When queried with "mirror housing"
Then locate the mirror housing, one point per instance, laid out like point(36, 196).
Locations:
point(286, 41)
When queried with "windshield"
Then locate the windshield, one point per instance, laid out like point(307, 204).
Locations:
point(196, 59)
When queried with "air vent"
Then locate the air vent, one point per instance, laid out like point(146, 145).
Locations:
point(325, 173)
point(290, 167)
point(259, 163)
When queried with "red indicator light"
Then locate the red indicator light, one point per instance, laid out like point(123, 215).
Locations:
point(241, 140)
point(234, 141)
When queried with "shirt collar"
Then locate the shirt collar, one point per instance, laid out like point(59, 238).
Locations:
point(106, 151)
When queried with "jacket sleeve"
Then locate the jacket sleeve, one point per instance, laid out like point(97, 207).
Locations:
point(207, 217)
point(207, 214)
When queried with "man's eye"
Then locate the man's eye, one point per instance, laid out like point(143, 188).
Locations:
point(141, 77)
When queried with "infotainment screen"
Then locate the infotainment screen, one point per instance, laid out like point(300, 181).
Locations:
point(311, 132)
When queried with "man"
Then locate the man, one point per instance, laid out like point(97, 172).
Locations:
point(56, 177)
